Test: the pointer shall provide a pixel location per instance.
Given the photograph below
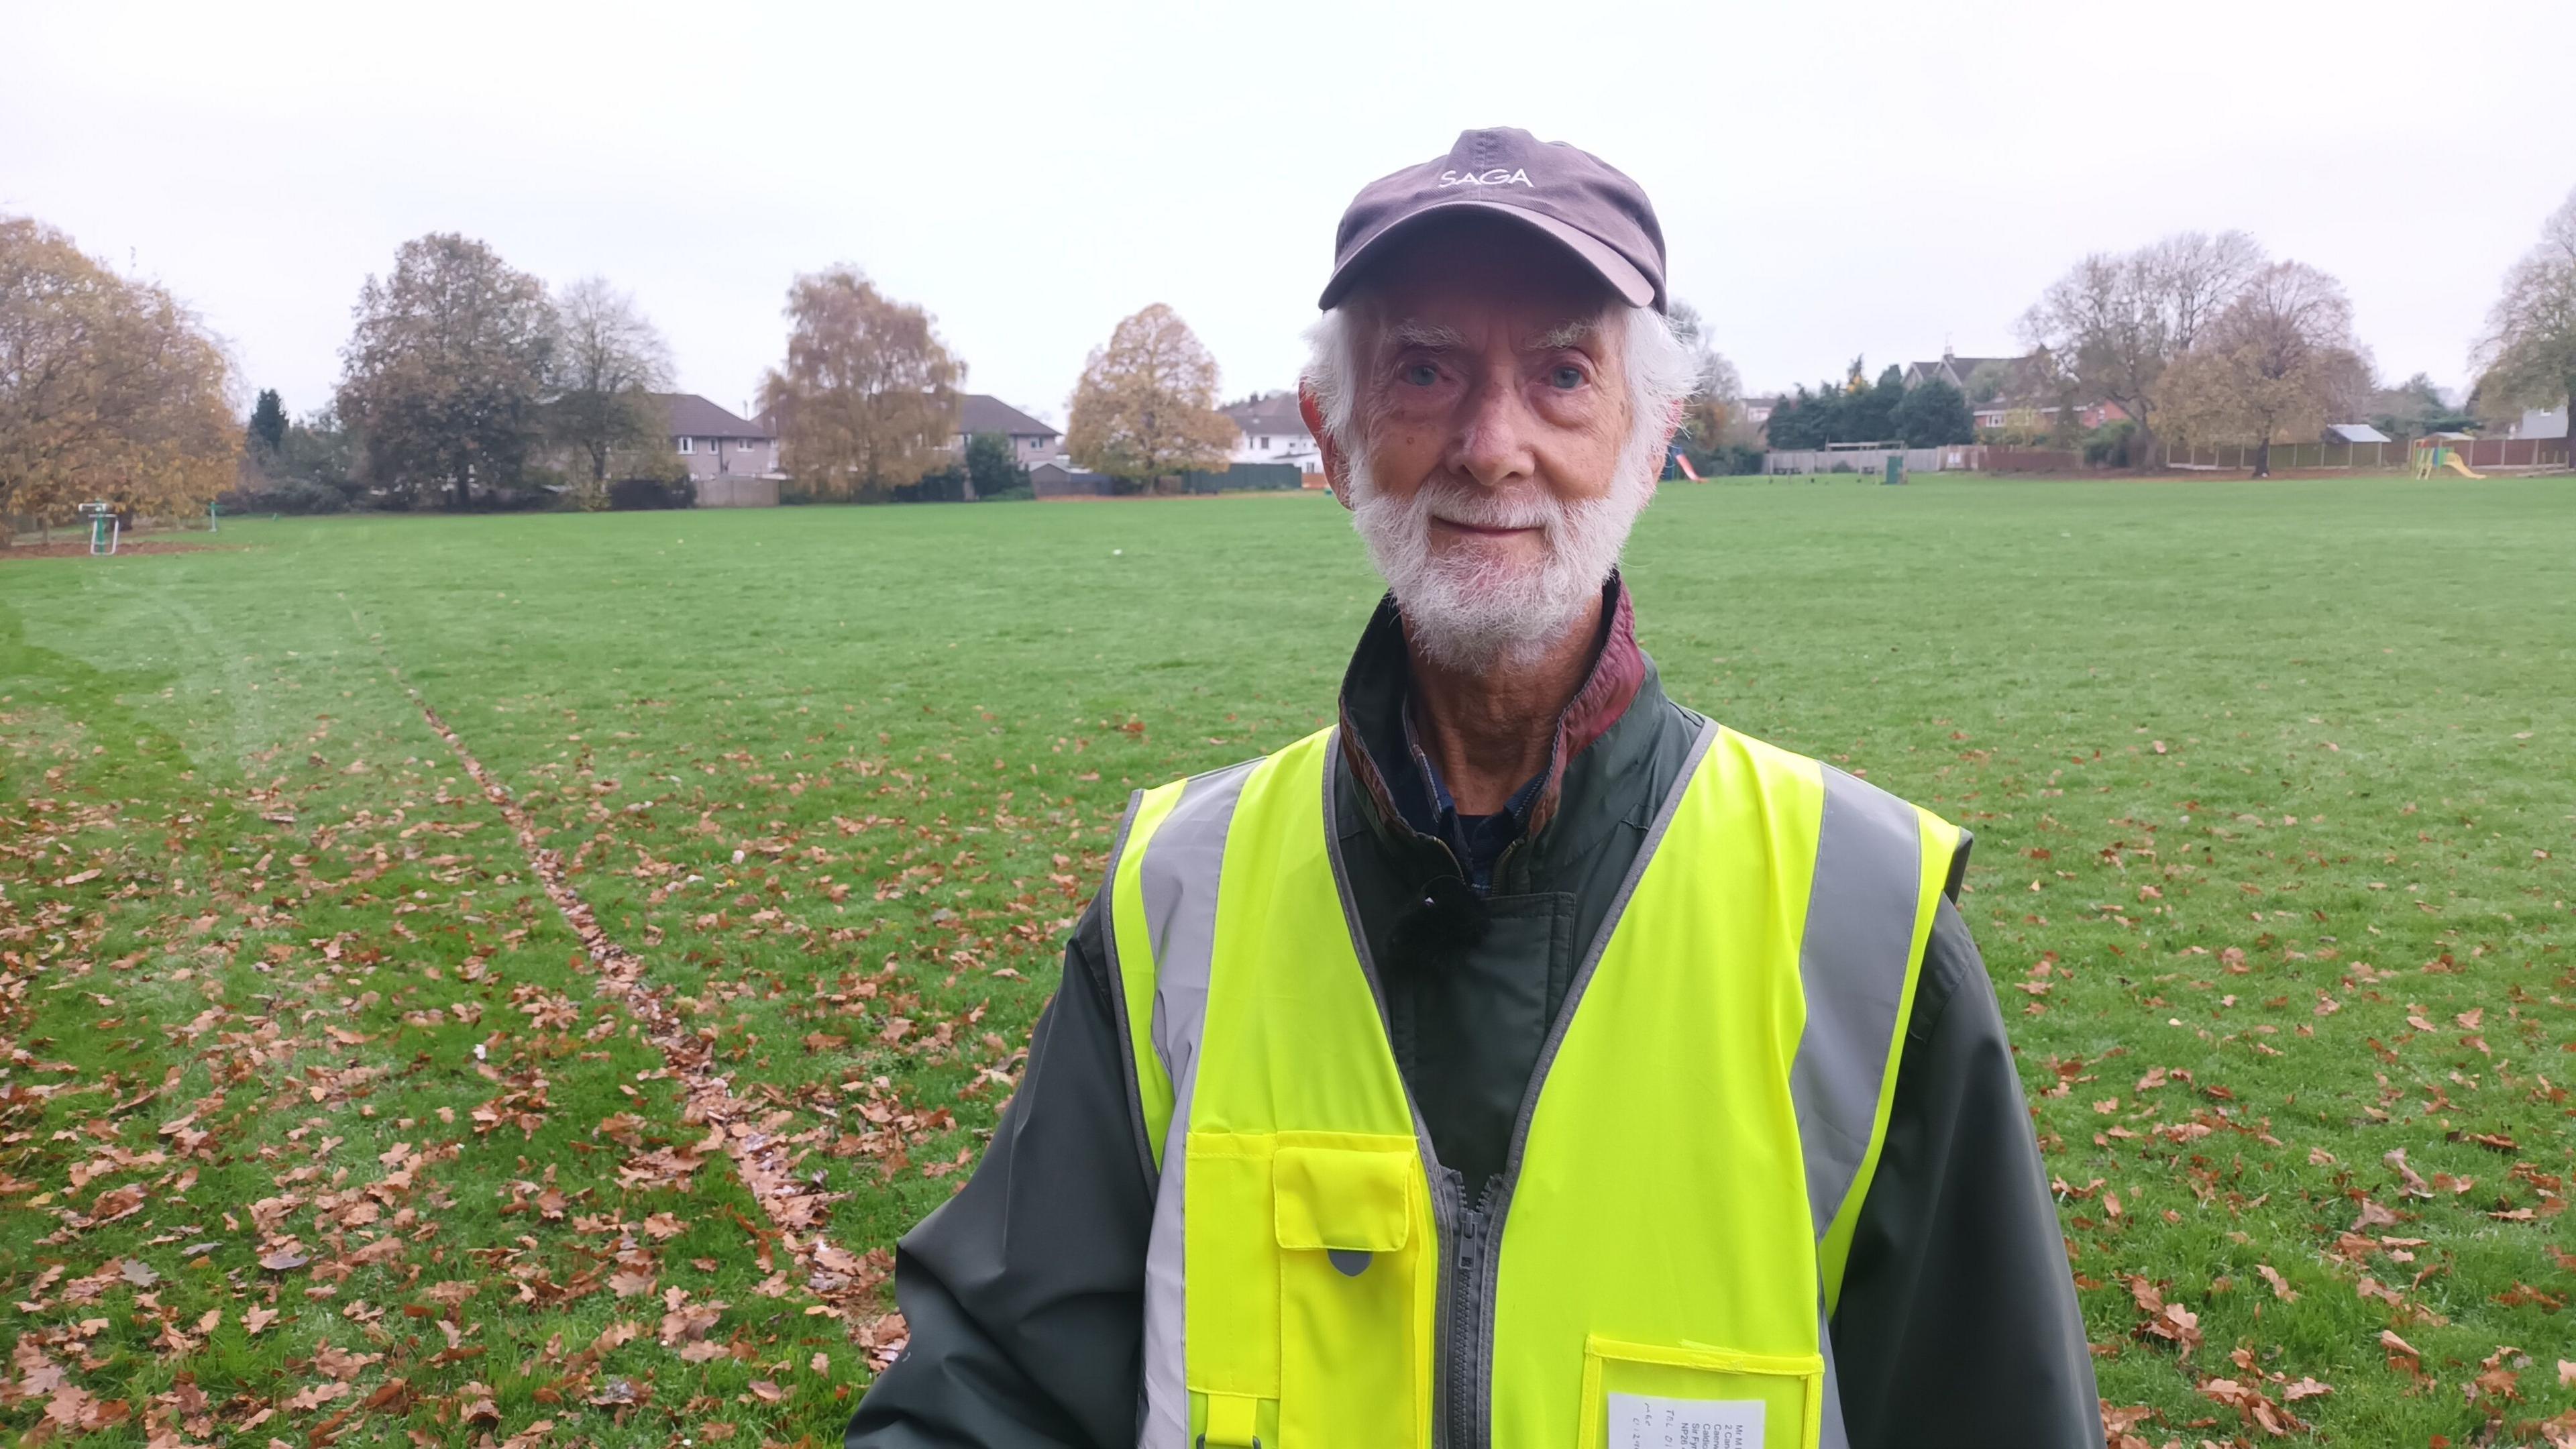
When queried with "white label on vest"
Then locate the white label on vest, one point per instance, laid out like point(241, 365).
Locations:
point(1640, 1422)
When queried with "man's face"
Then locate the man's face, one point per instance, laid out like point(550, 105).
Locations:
point(1489, 425)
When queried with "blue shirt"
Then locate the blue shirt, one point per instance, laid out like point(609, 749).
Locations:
point(1478, 841)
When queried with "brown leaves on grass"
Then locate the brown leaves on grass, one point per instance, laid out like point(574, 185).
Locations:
point(2118, 1426)
point(522, 1104)
point(2257, 1407)
point(2281, 1288)
point(2171, 1322)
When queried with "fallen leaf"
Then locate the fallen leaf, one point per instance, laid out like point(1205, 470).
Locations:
point(2410, 1181)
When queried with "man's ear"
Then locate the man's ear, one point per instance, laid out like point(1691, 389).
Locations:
point(1336, 467)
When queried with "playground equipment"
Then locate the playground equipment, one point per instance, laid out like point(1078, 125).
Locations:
point(104, 527)
point(2433, 454)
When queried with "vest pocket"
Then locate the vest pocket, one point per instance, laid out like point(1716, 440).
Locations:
point(1307, 1316)
point(1308, 1308)
point(1651, 1396)
point(1230, 1311)
point(1350, 1259)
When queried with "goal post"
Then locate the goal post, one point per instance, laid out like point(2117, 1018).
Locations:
point(105, 529)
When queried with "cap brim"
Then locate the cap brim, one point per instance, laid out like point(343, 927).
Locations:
point(1614, 269)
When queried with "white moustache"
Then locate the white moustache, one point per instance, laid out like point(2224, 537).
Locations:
point(1472, 507)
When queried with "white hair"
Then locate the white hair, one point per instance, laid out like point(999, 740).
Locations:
point(1462, 612)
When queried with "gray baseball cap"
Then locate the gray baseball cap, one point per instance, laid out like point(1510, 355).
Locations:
point(1573, 197)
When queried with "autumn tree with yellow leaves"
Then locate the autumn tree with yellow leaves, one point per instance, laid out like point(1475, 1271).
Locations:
point(2279, 361)
point(1145, 408)
point(110, 390)
point(867, 402)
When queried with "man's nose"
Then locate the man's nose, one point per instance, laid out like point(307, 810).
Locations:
point(1492, 444)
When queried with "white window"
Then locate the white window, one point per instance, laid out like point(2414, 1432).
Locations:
point(685, 442)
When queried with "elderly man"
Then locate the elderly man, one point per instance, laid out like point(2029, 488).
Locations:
point(1528, 1061)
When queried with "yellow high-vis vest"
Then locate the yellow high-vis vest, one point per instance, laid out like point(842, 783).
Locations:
point(1658, 1261)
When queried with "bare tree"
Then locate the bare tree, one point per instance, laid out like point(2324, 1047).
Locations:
point(110, 389)
point(2278, 361)
point(2194, 276)
point(2529, 351)
point(1716, 401)
point(868, 400)
point(609, 360)
point(1145, 407)
point(2116, 321)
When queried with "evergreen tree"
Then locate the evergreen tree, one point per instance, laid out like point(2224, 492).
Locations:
point(268, 422)
point(1934, 414)
point(1870, 411)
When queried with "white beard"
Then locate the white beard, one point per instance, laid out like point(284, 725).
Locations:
point(1469, 612)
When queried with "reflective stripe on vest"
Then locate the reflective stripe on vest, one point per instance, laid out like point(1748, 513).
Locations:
point(1682, 1185)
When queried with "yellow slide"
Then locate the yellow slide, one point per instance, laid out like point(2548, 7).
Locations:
point(2456, 466)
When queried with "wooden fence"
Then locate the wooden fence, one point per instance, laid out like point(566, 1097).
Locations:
point(2367, 457)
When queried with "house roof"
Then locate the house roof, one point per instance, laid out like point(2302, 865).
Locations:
point(1955, 370)
point(985, 414)
point(693, 416)
point(1275, 413)
point(2355, 433)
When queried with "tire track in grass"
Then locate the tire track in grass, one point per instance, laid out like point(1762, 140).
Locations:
point(845, 1282)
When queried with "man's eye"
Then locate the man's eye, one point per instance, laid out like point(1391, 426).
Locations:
point(1421, 374)
point(1566, 379)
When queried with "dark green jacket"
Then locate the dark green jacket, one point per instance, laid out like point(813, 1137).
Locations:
point(1024, 1294)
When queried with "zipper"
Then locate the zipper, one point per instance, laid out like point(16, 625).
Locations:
point(1462, 1388)
point(1467, 1422)
point(1462, 1328)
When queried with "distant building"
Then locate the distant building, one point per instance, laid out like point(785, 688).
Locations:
point(1269, 429)
point(2542, 423)
point(2023, 399)
point(2354, 433)
point(1758, 410)
point(2033, 416)
point(1031, 440)
point(1956, 370)
point(1058, 480)
point(714, 443)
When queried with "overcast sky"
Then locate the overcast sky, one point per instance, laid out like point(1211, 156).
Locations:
point(1858, 177)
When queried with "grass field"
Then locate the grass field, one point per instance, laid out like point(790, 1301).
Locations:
point(321, 1122)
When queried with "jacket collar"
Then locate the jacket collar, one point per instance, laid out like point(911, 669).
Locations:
point(1379, 682)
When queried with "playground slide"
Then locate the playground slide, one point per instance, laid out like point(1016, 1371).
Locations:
point(2461, 468)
